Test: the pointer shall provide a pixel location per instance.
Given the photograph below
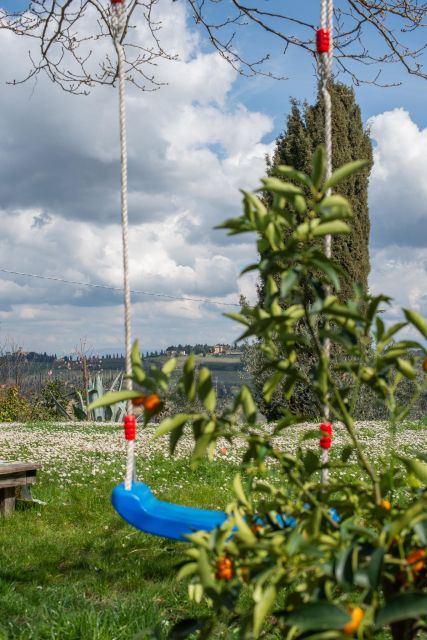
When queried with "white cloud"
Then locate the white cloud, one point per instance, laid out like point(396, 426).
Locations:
point(401, 272)
point(398, 210)
point(398, 189)
point(190, 151)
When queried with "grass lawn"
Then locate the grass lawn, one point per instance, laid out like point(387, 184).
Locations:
point(72, 569)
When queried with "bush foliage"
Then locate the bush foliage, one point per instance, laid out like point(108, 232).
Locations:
point(297, 557)
point(14, 408)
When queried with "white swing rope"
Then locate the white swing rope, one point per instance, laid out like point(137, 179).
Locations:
point(118, 26)
point(325, 66)
point(325, 69)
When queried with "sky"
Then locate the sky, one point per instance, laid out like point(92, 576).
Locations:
point(192, 145)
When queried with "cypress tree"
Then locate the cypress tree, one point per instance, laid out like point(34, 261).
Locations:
point(350, 141)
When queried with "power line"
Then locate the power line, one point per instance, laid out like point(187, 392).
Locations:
point(110, 288)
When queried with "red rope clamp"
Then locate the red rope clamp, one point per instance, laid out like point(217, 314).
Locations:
point(116, 1)
point(326, 441)
point(130, 427)
point(323, 41)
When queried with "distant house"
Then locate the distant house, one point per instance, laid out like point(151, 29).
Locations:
point(221, 349)
point(171, 353)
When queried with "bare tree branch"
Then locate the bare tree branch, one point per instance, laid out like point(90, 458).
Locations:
point(368, 34)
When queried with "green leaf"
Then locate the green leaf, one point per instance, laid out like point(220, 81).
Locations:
point(289, 420)
point(405, 606)
point(238, 317)
point(406, 368)
point(174, 437)
point(263, 608)
point(271, 384)
point(299, 204)
point(392, 330)
point(238, 489)
point(271, 286)
point(289, 386)
point(394, 354)
point(195, 591)
point(112, 397)
point(169, 366)
point(380, 327)
point(292, 174)
point(344, 568)
point(287, 282)
point(375, 567)
point(273, 236)
point(342, 311)
point(250, 267)
point(329, 270)
point(318, 616)
point(305, 230)
point(243, 532)
point(344, 172)
point(248, 404)
point(283, 188)
point(135, 354)
point(172, 423)
point(419, 469)
point(188, 377)
point(188, 569)
point(138, 372)
point(257, 205)
point(410, 516)
point(318, 166)
point(138, 375)
point(205, 389)
point(374, 303)
point(331, 228)
point(189, 365)
point(417, 320)
point(334, 201)
point(205, 571)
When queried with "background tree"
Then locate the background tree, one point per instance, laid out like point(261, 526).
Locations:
point(295, 147)
point(350, 140)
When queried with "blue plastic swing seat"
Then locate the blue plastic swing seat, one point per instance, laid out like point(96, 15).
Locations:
point(140, 508)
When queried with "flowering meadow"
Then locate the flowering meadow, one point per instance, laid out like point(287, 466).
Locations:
point(78, 453)
point(71, 569)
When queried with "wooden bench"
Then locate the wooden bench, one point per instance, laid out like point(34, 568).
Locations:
point(13, 476)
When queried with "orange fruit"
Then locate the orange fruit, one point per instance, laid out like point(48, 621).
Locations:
point(385, 504)
point(152, 402)
point(256, 528)
point(224, 568)
point(137, 402)
point(417, 560)
point(356, 618)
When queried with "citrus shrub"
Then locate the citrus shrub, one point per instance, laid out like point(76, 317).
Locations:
point(297, 557)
